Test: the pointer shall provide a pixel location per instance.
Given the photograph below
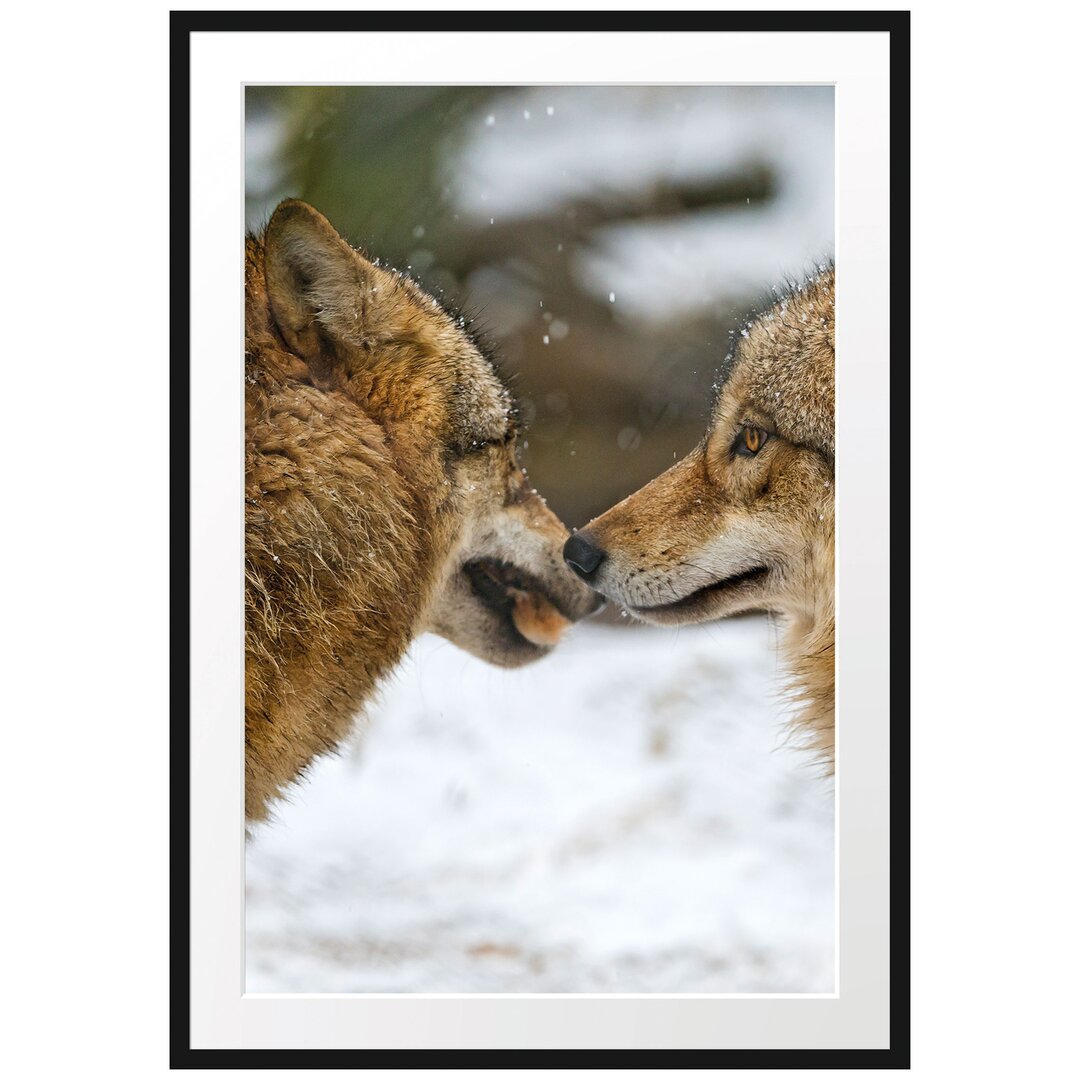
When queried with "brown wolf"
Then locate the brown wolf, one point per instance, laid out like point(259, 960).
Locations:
point(383, 496)
point(745, 521)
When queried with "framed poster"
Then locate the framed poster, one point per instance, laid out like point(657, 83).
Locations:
point(658, 264)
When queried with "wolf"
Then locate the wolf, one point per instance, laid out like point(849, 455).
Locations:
point(383, 496)
point(746, 520)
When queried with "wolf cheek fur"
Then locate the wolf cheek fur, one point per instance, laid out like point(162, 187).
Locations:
point(383, 497)
point(746, 520)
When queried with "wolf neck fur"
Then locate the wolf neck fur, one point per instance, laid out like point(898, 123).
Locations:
point(343, 518)
point(809, 651)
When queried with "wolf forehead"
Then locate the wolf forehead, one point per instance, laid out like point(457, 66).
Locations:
point(483, 406)
point(783, 368)
point(481, 403)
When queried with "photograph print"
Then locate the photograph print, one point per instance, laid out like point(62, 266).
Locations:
point(539, 539)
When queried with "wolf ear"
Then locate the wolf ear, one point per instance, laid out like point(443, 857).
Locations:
point(314, 281)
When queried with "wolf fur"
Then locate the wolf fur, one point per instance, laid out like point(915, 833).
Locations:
point(383, 496)
point(728, 529)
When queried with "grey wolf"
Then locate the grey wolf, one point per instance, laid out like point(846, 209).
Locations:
point(383, 496)
point(746, 520)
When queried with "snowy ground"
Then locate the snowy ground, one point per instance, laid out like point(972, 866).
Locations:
point(621, 817)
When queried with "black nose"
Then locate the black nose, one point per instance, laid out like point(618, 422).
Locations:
point(582, 556)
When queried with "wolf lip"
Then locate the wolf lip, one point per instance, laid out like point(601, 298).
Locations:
point(701, 597)
point(530, 614)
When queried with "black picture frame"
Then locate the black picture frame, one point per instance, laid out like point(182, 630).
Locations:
point(894, 23)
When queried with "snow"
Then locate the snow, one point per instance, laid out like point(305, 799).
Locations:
point(624, 816)
point(639, 136)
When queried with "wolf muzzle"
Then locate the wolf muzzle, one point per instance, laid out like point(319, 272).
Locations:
point(582, 555)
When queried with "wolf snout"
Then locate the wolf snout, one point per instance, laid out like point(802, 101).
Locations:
point(583, 555)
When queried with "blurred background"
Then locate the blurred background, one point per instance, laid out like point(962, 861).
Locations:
point(626, 815)
point(607, 239)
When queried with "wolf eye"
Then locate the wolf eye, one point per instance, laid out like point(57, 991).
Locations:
point(750, 440)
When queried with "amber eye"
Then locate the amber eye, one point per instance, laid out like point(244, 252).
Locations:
point(750, 440)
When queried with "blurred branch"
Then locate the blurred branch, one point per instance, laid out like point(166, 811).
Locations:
point(537, 238)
